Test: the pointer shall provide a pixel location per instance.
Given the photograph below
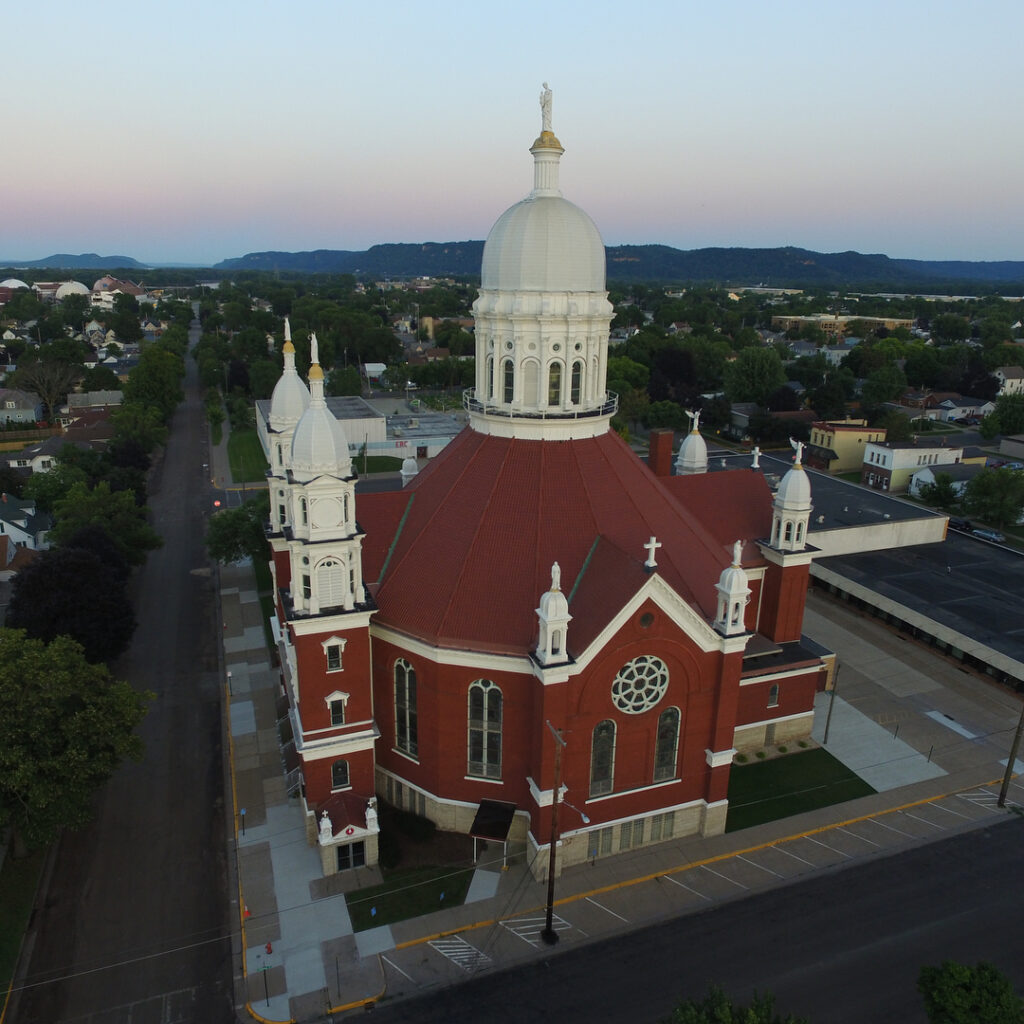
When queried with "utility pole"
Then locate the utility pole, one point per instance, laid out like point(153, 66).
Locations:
point(549, 935)
point(1013, 759)
point(832, 700)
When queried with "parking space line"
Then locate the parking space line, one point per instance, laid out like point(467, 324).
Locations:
point(925, 821)
point(397, 968)
point(754, 864)
point(854, 835)
point(949, 810)
point(892, 828)
point(675, 881)
point(704, 867)
point(825, 846)
point(789, 853)
point(601, 906)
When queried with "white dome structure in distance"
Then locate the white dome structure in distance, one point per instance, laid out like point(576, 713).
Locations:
point(542, 315)
point(13, 283)
point(71, 288)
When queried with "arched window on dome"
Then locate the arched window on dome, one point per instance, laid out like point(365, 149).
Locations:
point(330, 583)
point(788, 533)
point(345, 515)
point(800, 533)
point(489, 383)
point(304, 511)
point(556, 642)
point(406, 738)
point(485, 707)
point(602, 758)
point(508, 381)
point(667, 745)
point(555, 384)
point(576, 389)
point(531, 382)
point(280, 454)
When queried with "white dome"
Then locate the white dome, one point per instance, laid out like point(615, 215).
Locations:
point(71, 288)
point(795, 490)
point(319, 445)
point(693, 455)
point(13, 282)
point(544, 243)
point(289, 400)
point(553, 605)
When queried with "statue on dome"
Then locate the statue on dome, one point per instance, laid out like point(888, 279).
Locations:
point(314, 349)
point(556, 576)
point(694, 420)
point(371, 815)
point(737, 553)
point(798, 447)
point(756, 464)
point(545, 109)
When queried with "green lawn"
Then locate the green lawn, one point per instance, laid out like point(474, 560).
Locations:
point(18, 881)
point(245, 454)
point(408, 894)
point(377, 464)
point(789, 785)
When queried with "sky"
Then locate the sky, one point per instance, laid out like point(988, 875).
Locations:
point(194, 132)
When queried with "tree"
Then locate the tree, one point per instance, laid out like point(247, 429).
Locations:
point(65, 725)
point(100, 378)
point(344, 380)
point(958, 994)
point(156, 381)
point(882, 386)
point(995, 496)
point(50, 380)
point(115, 511)
point(140, 422)
point(46, 602)
point(1009, 414)
point(949, 327)
point(715, 1008)
point(941, 494)
point(754, 375)
point(237, 533)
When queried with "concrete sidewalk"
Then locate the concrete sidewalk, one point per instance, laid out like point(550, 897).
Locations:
point(300, 959)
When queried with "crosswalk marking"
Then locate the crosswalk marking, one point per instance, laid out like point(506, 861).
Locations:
point(460, 952)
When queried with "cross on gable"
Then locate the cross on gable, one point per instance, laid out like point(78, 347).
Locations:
point(652, 545)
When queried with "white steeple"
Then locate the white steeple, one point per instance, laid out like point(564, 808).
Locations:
point(791, 509)
point(693, 452)
point(319, 444)
point(733, 595)
point(553, 616)
point(542, 315)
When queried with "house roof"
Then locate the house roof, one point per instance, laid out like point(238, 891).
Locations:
point(461, 557)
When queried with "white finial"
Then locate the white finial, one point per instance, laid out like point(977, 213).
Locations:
point(556, 576)
point(545, 109)
point(314, 349)
point(694, 420)
point(737, 554)
point(798, 447)
point(652, 545)
point(757, 455)
point(287, 329)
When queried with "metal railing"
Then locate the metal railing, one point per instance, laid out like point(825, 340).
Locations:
point(608, 408)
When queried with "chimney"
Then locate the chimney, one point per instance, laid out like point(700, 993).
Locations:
point(660, 457)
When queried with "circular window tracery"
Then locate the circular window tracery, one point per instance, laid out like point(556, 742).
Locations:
point(640, 684)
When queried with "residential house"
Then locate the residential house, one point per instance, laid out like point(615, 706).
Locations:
point(837, 446)
point(961, 473)
point(1011, 379)
point(890, 465)
point(963, 408)
point(20, 406)
point(22, 524)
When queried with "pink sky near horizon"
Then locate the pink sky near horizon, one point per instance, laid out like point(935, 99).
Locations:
point(202, 134)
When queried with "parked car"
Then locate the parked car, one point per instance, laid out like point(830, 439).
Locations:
point(961, 524)
point(993, 535)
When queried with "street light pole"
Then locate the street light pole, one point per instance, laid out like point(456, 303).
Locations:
point(1013, 759)
point(549, 935)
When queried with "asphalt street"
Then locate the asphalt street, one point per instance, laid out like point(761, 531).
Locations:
point(843, 947)
point(131, 921)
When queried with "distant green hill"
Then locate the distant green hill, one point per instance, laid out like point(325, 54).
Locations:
point(84, 261)
point(785, 267)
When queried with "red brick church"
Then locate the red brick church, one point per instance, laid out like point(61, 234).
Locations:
point(536, 580)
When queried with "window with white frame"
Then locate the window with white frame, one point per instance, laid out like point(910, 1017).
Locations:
point(339, 775)
point(406, 738)
point(773, 695)
point(334, 647)
point(336, 703)
point(666, 745)
point(485, 729)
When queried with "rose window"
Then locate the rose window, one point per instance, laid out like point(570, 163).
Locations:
point(640, 684)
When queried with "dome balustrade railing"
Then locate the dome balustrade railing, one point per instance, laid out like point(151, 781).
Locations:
point(472, 404)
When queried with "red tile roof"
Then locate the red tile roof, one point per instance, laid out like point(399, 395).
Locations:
point(464, 563)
